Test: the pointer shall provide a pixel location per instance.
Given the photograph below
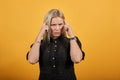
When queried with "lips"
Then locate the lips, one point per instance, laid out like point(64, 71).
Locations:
point(56, 32)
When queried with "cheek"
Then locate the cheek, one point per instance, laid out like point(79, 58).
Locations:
point(52, 31)
point(51, 28)
point(62, 28)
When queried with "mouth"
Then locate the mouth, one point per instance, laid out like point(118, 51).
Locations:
point(56, 33)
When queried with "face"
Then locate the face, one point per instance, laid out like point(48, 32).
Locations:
point(56, 26)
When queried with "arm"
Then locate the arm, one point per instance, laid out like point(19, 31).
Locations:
point(75, 51)
point(34, 53)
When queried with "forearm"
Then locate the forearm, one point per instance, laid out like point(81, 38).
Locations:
point(34, 52)
point(75, 52)
point(33, 55)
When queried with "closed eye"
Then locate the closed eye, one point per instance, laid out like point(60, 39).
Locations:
point(53, 24)
point(60, 24)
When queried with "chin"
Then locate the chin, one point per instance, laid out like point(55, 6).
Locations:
point(56, 36)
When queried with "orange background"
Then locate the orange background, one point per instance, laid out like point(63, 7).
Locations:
point(95, 22)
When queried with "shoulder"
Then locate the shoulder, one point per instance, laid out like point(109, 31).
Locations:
point(65, 39)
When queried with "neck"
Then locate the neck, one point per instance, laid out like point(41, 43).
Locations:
point(54, 37)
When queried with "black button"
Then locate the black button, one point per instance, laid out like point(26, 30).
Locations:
point(55, 50)
point(53, 58)
point(55, 45)
point(54, 66)
point(55, 41)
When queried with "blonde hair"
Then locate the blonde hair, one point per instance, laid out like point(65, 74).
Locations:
point(47, 20)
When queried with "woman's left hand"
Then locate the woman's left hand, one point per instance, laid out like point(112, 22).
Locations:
point(68, 29)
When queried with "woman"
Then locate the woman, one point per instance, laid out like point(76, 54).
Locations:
point(55, 52)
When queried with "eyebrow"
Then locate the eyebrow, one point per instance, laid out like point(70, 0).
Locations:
point(56, 24)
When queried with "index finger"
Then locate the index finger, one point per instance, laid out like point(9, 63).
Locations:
point(66, 23)
point(44, 23)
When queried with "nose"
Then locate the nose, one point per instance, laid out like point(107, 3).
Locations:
point(57, 27)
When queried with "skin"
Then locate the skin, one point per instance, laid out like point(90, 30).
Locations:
point(57, 24)
point(56, 27)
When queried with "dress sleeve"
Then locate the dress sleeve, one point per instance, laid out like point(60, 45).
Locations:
point(28, 52)
point(80, 45)
point(31, 47)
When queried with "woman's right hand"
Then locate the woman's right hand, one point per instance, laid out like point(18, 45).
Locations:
point(43, 29)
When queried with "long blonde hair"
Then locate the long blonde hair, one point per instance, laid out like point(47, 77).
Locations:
point(47, 20)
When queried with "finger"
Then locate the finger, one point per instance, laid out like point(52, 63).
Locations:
point(66, 23)
point(47, 28)
point(44, 23)
point(66, 28)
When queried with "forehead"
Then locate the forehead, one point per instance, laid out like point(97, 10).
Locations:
point(57, 20)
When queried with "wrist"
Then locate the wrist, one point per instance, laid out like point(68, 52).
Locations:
point(73, 38)
point(71, 35)
point(38, 41)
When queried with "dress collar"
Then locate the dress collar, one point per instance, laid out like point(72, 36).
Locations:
point(57, 39)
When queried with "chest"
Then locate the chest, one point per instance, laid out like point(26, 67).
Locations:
point(56, 51)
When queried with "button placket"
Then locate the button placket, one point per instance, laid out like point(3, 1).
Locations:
point(55, 46)
point(54, 66)
point(48, 51)
point(53, 58)
point(54, 51)
point(55, 41)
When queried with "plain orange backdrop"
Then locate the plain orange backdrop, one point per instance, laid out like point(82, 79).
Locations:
point(95, 22)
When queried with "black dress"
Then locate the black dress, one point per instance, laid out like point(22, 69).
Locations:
point(54, 61)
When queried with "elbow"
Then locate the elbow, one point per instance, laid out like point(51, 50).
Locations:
point(31, 61)
point(77, 60)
